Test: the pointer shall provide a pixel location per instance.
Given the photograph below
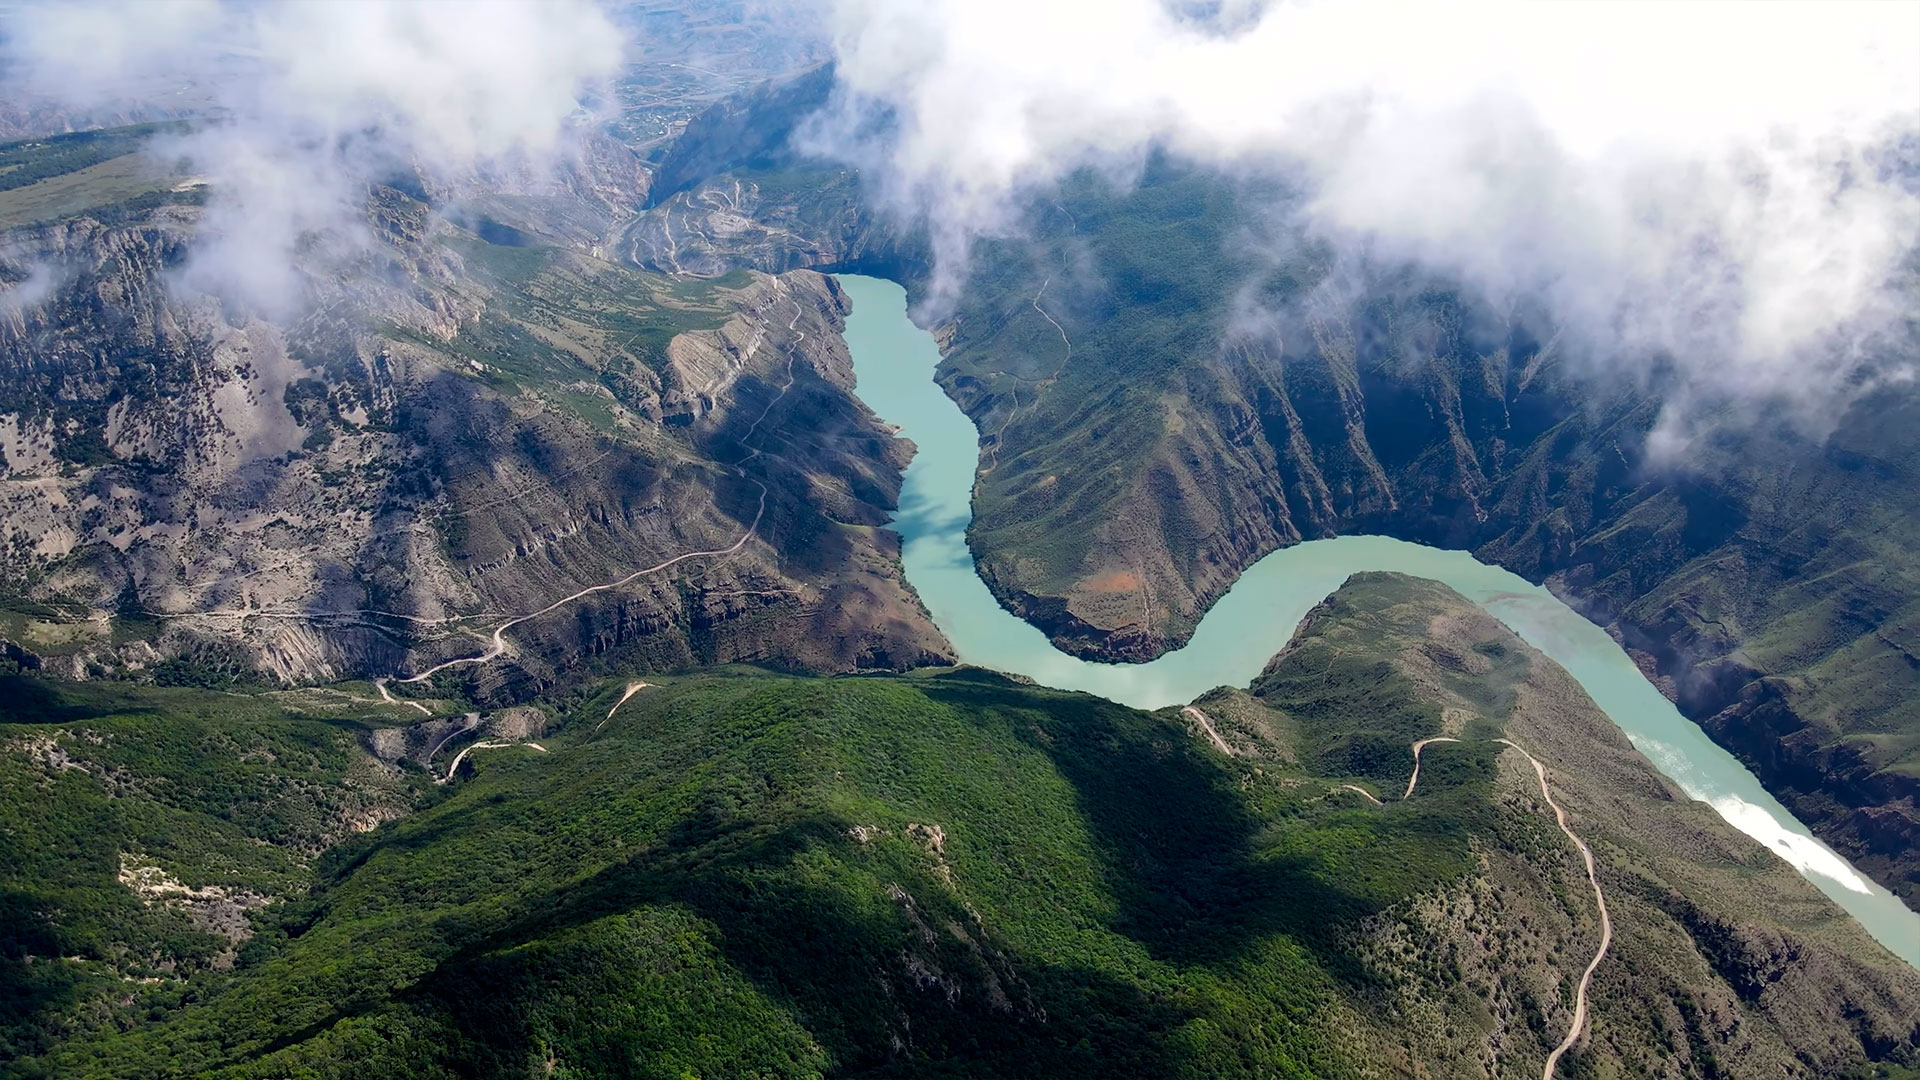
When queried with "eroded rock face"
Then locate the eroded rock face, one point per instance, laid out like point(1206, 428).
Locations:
point(439, 443)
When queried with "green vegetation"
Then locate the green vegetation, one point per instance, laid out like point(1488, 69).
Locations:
point(179, 790)
point(1143, 282)
point(101, 172)
point(1357, 711)
point(944, 873)
point(754, 875)
point(30, 161)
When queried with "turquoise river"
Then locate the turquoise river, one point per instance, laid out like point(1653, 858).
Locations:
point(894, 362)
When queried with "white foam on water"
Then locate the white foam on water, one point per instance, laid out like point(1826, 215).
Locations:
point(1806, 854)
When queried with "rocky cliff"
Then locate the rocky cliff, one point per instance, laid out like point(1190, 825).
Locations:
point(462, 426)
point(1161, 405)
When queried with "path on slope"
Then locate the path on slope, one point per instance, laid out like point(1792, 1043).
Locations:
point(497, 645)
point(1599, 898)
point(380, 684)
point(1417, 747)
point(1040, 385)
point(484, 744)
point(1206, 725)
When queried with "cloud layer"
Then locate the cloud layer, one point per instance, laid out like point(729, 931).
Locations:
point(1736, 187)
point(315, 99)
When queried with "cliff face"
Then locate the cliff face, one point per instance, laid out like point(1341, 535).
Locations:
point(452, 433)
point(1160, 408)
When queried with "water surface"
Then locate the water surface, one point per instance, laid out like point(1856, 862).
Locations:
point(894, 361)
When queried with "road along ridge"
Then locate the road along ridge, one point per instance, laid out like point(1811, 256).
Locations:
point(1599, 897)
point(1417, 747)
point(497, 645)
point(1206, 726)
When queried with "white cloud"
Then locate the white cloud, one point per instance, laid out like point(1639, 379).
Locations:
point(1706, 179)
point(316, 99)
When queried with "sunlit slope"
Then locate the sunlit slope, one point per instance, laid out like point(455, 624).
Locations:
point(1224, 397)
point(736, 873)
point(476, 419)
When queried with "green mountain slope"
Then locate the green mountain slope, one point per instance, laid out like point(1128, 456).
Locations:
point(141, 827)
point(1169, 388)
point(949, 873)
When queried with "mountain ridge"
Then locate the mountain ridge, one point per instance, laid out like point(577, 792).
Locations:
point(1174, 451)
point(733, 870)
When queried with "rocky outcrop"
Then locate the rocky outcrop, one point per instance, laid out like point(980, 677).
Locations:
point(463, 434)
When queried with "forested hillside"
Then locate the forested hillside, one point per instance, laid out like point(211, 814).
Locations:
point(733, 873)
point(1172, 378)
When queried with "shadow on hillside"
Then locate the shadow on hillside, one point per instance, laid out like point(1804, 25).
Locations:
point(31, 989)
point(1179, 844)
point(25, 699)
point(887, 991)
point(864, 952)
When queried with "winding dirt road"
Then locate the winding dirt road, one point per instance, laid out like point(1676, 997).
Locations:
point(1599, 898)
point(484, 744)
point(1363, 793)
point(380, 684)
point(1417, 747)
point(1040, 385)
point(1606, 921)
point(1206, 725)
point(632, 689)
point(497, 645)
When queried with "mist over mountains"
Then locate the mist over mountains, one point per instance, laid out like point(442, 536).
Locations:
point(1676, 186)
point(463, 606)
point(1724, 204)
point(306, 104)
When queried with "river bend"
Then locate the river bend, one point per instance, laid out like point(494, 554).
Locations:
point(894, 363)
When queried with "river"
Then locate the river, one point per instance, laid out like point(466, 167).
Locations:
point(894, 363)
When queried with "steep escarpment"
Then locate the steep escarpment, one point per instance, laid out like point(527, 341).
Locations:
point(452, 432)
point(1162, 402)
